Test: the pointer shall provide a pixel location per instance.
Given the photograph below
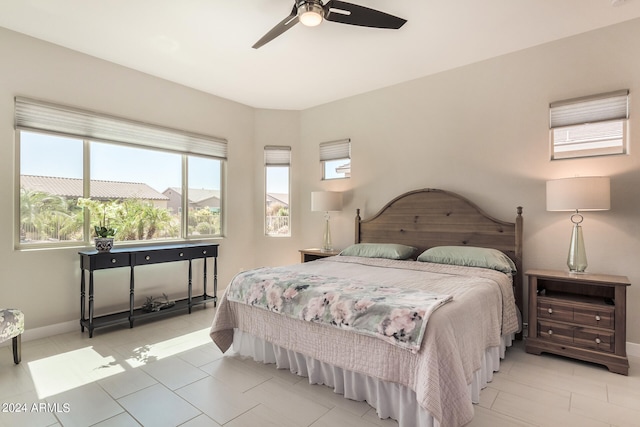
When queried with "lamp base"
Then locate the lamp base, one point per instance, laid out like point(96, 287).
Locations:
point(326, 241)
point(577, 258)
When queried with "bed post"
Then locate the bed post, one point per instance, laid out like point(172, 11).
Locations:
point(519, 279)
point(357, 238)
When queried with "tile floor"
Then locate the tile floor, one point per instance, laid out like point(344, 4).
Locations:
point(168, 373)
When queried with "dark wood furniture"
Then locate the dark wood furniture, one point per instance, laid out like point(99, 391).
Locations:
point(429, 217)
point(139, 256)
point(582, 316)
point(313, 254)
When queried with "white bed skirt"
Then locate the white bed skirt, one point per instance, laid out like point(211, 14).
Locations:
point(391, 400)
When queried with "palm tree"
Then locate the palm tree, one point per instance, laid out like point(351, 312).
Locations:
point(48, 215)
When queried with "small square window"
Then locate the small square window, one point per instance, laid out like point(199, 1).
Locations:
point(590, 126)
point(335, 158)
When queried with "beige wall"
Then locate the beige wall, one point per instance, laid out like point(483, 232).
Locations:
point(45, 283)
point(479, 130)
point(482, 131)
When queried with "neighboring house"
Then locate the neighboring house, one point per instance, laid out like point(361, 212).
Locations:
point(198, 199)
point(100, 190)
point(277, 198)
point(344, 169)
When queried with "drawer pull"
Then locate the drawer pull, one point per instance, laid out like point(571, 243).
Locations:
point(204, 252)
point(113, 260)
point(598, 341)
point(550, 311)
point(550, 332)
point(597, 318)
point(181, 254)
point(147, 257)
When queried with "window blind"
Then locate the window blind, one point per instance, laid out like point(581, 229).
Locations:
point(42, 116)
point(589, 126)
point(590, 109)
point(276, 155)
point(335, 150)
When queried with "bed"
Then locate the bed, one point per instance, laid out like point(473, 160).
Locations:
point(423, 370)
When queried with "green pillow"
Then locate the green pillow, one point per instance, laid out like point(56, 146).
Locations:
point(469, 256)
point(379, 250)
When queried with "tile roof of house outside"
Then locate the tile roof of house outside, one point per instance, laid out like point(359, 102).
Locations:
point(197, 194)
point(72, 187)
point(279, 197)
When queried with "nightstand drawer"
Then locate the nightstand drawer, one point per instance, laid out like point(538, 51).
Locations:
point(594, 339)
point(602, 318)
point(554, 310)
point(556, 332)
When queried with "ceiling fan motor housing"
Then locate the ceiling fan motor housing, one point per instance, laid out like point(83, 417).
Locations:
point(310, 12)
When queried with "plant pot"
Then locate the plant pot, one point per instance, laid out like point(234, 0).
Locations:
point(104, 244)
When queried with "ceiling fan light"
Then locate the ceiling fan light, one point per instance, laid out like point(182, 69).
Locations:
point(310, 14)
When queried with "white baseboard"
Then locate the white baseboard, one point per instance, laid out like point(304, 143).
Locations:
point(47, 331)
point(633, 349)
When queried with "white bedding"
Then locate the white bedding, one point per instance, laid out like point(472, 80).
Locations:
point(453, 350)
point(391, 400)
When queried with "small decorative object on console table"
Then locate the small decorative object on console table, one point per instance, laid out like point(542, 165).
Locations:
point(582, 316)
point(103, 244)
point(157, 303)
point(307, 255)
point(104, 238)
point(104, 233)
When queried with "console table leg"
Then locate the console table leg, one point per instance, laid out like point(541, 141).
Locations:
point(189, 287)
point(82, 298)
point(91, 304)
point(215, 281)
point(131, 297)
point(204, 278)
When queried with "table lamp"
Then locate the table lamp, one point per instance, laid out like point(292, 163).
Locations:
point(590, 193)
point(326, 201)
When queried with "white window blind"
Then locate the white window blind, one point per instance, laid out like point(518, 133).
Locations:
point(275, 155)
point(589, 126)
point(42, 116)
point(335, 150)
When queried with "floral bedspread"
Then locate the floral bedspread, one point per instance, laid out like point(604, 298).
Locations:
point(396, 315)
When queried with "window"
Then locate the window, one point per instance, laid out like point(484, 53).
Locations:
point(590, 126)
point(335, 157)
point(277, 161)
point(128, 175)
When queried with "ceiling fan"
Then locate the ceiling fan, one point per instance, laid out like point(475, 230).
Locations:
point(313, 12)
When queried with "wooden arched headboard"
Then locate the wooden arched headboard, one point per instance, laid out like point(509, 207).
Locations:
point(428, 217)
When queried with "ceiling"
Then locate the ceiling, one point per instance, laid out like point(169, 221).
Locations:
point(206, 44)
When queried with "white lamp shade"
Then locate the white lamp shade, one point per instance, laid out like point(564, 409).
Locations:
point(326, 201)
point(589, 193)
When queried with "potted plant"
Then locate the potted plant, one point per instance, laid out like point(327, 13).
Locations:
point(104, 237)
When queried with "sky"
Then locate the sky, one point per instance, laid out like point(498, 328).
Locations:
point(57, 156)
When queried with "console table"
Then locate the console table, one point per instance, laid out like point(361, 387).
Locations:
point(138, 256)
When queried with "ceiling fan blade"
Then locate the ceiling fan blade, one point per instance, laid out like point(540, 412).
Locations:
point(283, 26)
point(352, 14)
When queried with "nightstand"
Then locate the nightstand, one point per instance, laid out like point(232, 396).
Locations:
point(313, 254)
point(579, 315)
